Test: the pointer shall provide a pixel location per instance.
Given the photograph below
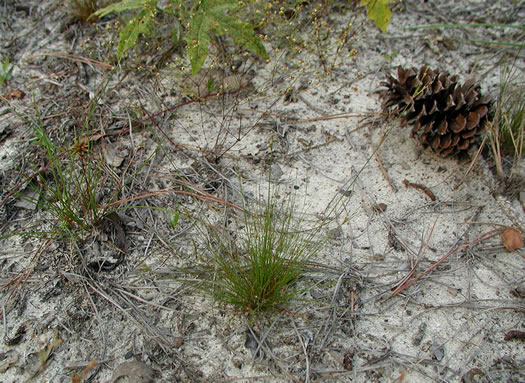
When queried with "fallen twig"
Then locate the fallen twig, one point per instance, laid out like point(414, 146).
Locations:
point(423, 188)
point(201, 195)
point(482, 237)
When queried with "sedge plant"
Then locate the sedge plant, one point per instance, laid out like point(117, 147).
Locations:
point(257, 269)
point(507, 130)
point(72, 185)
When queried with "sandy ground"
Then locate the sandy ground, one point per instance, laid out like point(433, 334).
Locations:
point(315, 112)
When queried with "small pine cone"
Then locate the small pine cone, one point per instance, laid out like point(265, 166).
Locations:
point(447, 116)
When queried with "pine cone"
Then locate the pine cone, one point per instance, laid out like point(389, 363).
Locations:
point(447, 117)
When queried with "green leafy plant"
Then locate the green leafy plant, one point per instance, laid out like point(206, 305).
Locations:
point(211, 17)
point(199, 21)
point(258, 270)
point(5, 71)
point(378, 12)
point(142, 23)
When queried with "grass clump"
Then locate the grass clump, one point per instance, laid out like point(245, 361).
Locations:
point(257, 270)
point(507, 131)
point(72, 184)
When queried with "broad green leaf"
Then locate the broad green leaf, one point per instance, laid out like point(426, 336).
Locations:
point(378, 12)
point(212, 17)
point(124, 5)
point(242, 33)
point(140, 24)
point(198, 40)
point(176, 33)
point(175, 220)
point(5, 71)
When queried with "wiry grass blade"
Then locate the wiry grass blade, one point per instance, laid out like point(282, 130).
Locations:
point(257, 271)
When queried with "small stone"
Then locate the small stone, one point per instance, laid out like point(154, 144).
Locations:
point(348, 360)
point(438, 352)
point(134, 371)
point(276, 173)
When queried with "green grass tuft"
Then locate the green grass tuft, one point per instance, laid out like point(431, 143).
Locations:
point(71, 183)
point(507, 131)
point(257, 271)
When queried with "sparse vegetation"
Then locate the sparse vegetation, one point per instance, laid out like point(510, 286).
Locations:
point(198, 23)
point(259, 219)
point(71, 183)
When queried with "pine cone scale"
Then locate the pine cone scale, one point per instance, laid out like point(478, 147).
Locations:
point(443, 127)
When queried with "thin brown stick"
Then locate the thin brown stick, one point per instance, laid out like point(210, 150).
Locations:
point(413, 271)
point(480, 238)
point(203, 195)
point(382, 168)
point(421, 187)
point(472, 163)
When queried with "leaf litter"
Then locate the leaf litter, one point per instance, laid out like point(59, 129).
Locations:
point(458, 308)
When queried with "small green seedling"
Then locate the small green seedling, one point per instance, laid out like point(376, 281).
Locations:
point(5, 71)
point(175, 220)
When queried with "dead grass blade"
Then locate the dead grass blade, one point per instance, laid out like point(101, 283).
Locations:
point(84, 60)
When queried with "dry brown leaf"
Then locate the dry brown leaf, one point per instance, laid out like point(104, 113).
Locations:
point(472, 375)
point(111, 156)
point(15, 94)
point(80, 378)
point(514, 334)
point(88, 139)
point(512, 239)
